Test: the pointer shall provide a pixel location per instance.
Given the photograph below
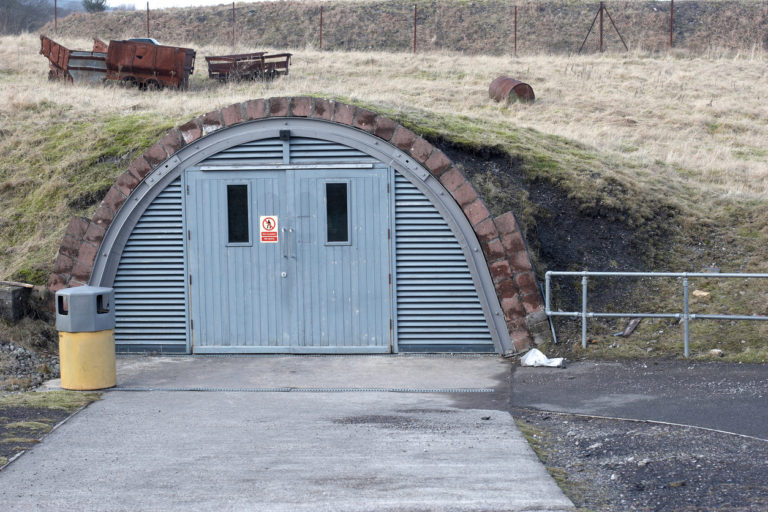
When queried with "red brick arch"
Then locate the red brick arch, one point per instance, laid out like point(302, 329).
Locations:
point(502, 243)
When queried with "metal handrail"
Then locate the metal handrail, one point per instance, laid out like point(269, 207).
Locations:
point(686, 316)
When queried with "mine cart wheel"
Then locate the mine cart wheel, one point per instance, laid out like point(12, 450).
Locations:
point(129, 81)
point(52, 75)
point(153, 85)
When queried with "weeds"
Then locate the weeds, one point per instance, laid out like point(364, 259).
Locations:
point(58, 400)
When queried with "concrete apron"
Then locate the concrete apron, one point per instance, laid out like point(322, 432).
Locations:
point(341, 439)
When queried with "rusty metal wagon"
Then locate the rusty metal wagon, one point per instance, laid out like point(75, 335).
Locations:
point(149, 65)
point(248, 66)
point(74, 65)
point(142, 62)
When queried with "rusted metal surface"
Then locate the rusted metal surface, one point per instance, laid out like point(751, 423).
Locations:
point(143, 63)
point(509, 89)
point(99, 45)
point(248, 66)
point(149, 65)
point(73, 65)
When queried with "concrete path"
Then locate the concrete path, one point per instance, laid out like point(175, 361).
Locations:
point(442, 442)
point(722, 396)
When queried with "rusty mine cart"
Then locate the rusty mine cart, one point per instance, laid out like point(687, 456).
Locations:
point(248, 66)
point(140, 62)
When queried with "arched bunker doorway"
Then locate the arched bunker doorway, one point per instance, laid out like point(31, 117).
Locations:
point(302, 225)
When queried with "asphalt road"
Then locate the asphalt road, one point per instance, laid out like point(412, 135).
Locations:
point(721, 396)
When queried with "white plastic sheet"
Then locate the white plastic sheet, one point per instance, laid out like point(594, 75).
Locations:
point(536, 357)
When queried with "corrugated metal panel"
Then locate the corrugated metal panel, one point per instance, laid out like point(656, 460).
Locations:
point(150, 307)
point(437, 304)
point(305, 150)
point(302, 150)
point(263, 151)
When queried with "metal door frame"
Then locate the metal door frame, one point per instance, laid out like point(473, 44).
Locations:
point(389, 346)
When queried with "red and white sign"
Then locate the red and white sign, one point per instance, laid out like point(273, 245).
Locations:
point(268, 229)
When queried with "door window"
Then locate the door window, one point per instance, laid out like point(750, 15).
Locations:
point(337, 213)
point(237, 215)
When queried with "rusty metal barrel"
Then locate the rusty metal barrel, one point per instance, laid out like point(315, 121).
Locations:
point(508, 89)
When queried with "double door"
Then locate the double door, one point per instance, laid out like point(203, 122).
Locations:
point(289, 260)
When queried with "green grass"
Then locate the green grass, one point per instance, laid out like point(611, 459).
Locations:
point(19, 440)
point(59, 400)
point(50, 173)
point(33, 426)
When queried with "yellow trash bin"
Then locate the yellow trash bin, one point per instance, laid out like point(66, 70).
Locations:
point(85, 319)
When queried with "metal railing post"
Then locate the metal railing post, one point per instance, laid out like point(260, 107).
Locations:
point(584, 281)
point(686, 318)
point(547, 284)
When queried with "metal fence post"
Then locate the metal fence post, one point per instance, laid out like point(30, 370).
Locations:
point(601, 27)
point(584, 281)
point(672, 23)
point(686, 318)
point(515, 31)
point(414, 28)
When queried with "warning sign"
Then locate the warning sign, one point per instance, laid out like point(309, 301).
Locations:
point(268, 229)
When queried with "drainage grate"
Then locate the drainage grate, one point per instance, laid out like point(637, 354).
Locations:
point(307, 390)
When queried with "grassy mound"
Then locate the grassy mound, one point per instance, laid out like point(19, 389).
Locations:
point(619, 175)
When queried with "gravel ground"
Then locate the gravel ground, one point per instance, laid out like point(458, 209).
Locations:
point(22, 369)
point(615, 465)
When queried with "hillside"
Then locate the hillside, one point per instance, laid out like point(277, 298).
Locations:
point(478, 27)
point(626, 176)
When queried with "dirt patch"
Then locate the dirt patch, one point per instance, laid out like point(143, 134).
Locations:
point(22, 427)
point(616, 465)
point(25, 418)
point(561, 234)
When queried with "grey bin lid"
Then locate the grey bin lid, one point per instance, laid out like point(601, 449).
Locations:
point(85, 309)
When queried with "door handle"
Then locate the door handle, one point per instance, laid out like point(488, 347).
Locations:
point(292, 247)
point(283, 244)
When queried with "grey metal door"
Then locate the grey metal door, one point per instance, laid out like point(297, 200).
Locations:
point(290, 260)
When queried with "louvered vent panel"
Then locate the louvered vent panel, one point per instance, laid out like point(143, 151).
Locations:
point(265, 151)
point(437, 304)
point(304, 150)
point(150, 307)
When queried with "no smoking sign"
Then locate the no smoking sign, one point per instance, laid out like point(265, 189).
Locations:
point(268, 229)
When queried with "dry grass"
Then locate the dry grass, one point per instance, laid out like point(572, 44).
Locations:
point(706, 118)
point(668, 129)
point(690, 131)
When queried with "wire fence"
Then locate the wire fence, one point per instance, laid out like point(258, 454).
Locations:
point(481, 27)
